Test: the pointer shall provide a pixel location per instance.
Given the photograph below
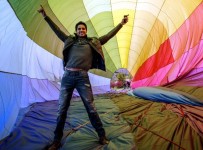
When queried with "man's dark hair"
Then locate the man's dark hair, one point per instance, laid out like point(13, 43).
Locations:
point(79, 23)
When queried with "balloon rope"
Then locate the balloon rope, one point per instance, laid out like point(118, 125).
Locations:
point(161, 137)
point(140, 117)
point(82, 125)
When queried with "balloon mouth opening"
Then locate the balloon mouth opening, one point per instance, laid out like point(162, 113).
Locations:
point(121, 79)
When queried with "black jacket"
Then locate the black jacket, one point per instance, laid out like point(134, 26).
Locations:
point(95, 43)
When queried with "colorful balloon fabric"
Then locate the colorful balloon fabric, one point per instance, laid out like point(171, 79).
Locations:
point(161, 45)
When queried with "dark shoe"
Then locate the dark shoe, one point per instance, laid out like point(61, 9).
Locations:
point(55, 145)
point(103, 140)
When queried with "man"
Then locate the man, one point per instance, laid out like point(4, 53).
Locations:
point(80, 54)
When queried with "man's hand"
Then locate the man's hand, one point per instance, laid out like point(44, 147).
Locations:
point(42, 11)
point(125, 19)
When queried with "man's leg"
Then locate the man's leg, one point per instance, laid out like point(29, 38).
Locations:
point(66, 91)
point(64, 103)
point(84, 89)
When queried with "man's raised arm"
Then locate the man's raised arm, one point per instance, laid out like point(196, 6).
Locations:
point(61, 35)
point(113, 32)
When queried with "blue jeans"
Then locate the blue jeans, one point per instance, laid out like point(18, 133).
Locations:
point(80, 81)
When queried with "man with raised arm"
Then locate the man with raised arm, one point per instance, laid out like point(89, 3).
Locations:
point(80, 53)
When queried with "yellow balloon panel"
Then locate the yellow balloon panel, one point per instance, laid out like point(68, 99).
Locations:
point(124, 35)
point(142, 39)
point(103, 23)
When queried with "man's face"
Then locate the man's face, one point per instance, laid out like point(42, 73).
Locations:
point(81, 30)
